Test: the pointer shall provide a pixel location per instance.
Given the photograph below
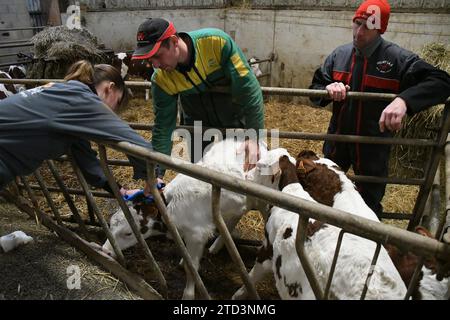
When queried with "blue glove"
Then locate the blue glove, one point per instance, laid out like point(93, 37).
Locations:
point(160, 185)
point(138, 197)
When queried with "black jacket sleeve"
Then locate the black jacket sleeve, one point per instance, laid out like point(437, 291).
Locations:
point(323, 77)
point(422, 85)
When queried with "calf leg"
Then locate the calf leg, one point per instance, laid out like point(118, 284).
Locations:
point(219, 242)
point(259, 270)
point(195, 249)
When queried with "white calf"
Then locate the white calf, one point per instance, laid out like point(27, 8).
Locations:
point(189, 200)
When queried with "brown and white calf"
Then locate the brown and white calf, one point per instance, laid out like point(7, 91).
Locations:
point(327, 184)
point(428, 287)
point(278, 252)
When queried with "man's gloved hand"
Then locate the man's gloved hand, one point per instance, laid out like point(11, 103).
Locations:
point(139, 195)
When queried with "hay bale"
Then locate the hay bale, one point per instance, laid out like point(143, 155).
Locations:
point(56, 48)
point(409, 161)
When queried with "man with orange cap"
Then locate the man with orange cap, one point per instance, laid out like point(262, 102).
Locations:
point(372, 64)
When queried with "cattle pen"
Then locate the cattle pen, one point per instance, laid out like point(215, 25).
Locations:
point(24, 197)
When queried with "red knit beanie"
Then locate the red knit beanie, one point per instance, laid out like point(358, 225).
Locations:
point(380, 13)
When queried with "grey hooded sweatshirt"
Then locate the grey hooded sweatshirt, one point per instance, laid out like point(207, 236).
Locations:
point(48, 121)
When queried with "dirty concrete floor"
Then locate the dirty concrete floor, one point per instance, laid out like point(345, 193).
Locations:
point(39, 270)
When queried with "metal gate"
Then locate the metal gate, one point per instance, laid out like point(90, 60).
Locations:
point(380, 233)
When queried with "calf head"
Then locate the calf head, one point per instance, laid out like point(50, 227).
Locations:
point(406, 262)
point(17, 72)
point(288, 172)
point(318, 179)
point(267, 173)
point(141, 68)
point(6, 89)
point(267, 170)
point(147, 218)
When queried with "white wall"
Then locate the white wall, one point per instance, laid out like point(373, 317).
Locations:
point(300, 39)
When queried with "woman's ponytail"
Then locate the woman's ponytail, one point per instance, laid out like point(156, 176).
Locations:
point(82, 71)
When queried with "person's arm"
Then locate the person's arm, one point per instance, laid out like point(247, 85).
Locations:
point(86, 159)
point(245, 88)
point(421, 86)
point(165, 110)
point(322, 78)
point(88, 118)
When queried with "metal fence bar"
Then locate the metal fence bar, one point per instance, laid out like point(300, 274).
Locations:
point(232, 250)
point(360, 226)
point(78, 192)
point(7, 46)
point(98, 214)
point(432, 211)
point(188, 263)
point(431, 169)
point(14, 41)
point(67, 197)
point(267, 90)
point(304, 259)
point(21, 29)
point(147, 252)
point(130, 279)
point(414, 279)
point(333, 264)
point(358, 178)
point(11, 54)
point(47, 195)
point(371, 270)
point(395, 215)
point(10, 63)
point(445, 221)
point(32, 198)
point(315, 136)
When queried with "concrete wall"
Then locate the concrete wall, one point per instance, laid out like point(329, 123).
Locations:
point(300, 39)
point(13, 14)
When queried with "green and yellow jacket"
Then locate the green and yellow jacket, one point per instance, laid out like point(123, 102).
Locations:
point(216, 62)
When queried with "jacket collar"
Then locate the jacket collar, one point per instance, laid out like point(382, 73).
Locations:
point(370, 48)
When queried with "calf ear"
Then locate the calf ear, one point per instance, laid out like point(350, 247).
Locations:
point(304, 167)
point(301, 171)
point(283, 162)
point(309, 165)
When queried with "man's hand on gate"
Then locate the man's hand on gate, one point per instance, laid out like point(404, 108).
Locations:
point(392, 116)
point(337, 91)
point(159, 181)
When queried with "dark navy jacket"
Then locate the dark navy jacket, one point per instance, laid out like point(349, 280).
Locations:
point(46, 122)
point(389, 69)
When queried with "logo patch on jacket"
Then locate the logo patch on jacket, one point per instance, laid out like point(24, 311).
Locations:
point(384, 66)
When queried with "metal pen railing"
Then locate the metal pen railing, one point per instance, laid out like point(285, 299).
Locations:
point(381, 234)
